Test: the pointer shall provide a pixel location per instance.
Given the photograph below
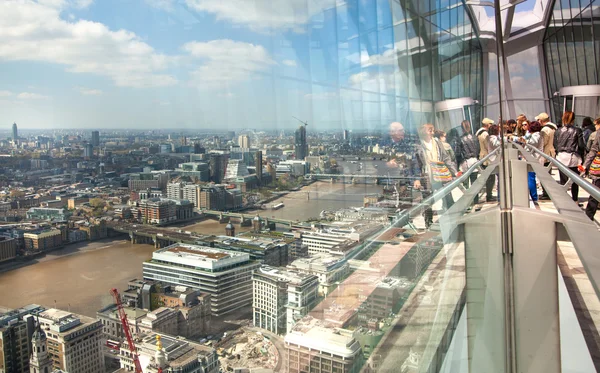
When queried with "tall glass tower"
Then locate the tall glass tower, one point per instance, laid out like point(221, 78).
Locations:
point(15, 132)
point(300, 143)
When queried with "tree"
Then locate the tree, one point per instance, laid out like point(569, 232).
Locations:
point(97, 203)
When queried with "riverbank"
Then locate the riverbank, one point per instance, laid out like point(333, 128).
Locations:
point(68, 250)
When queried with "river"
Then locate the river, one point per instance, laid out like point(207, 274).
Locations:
point(80, 282)
point(80, 279)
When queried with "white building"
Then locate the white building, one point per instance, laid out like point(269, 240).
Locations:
point(225, 275)
point(74, 341)
point(175, 190)
point(236, 168)
point(312, 341)
point(329, 269)
point(171, 355)
point(322, 241)
point(244, 141)
point(281, 297)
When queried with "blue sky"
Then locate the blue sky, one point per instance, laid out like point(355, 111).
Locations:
point(157, 63)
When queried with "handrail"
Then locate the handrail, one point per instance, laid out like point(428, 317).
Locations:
point(587, 186)
point(441, 193)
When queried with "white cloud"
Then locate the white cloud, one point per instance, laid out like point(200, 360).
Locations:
point(264, 14)
point(89, 91)
point(82, 4)
point(226, 61)
point(5, 93)
point(291, 63)
point(167, 5)
point(34, 31)
point(31, 96)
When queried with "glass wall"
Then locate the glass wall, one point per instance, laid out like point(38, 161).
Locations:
point(572, 48)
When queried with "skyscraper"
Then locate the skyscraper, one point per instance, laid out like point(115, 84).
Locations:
point(300, 143)
point(244, 141)
point(95, 138)
point(259, 166)
point(88, 150)
point(15, 132)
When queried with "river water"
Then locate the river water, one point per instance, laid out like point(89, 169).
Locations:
point(81, 281)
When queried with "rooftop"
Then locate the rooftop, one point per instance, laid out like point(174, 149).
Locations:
point(318, 335)
point(201, 257)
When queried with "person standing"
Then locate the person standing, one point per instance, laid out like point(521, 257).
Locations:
point(534, 140)
point(482, 135)
point(435, 168)
point(441, 135)
point(547, 134)
point(467, 151)
point(593, 157)
point(593, 135)
point(520, 131)
point(587, 125)
point(570, 149)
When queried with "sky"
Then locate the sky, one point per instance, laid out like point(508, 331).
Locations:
point(206, 64)
point(155, 63)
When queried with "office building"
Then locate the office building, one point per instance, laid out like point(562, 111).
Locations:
point(212, 198)
point(225, 275)
point(258, 164)
point(217, 164)
point(244, 141)
point(88, 150)
point(48, 213)
point(157, 211)
point(322, 241)
point(112, 328)
point(268, 250)
point(175, 190)
point(328, 268)
point(281, 297)
point(43, 240)
point(8, 248)
point(74, 341)
point(16, 328)
point(95, 138)
point(293, 167)
point(191, 192)
point(315, 346)
point(15, 132)
point(161, 352)
point(300, 143)
point(199, 171)
point(148, 180)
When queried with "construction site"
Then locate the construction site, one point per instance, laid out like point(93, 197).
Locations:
point(251, 350)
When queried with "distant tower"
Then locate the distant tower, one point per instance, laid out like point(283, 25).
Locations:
point(230, 230)
point(300, 144)
point(95, 138)
point(244, 141)
point(259, 167)
point(15, 132)
point(346, 135)
point(256, 224)
point(88, 150)
point(39, 361)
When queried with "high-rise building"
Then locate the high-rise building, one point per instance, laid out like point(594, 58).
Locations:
point(225, 275)
point(175, 190)
point(244, 141)
point(74, 341)
point(346, 135)
point(281, 297)
point(15, 132)
point(259, 166)
point(300, 143)
point(95, 138)
point(217, 165)
point(88, 150)
point(16, 328)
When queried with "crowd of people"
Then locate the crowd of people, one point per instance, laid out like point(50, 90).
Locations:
point(441, 157)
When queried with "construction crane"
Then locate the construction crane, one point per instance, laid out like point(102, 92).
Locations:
point(126, 330)
point(303, 122)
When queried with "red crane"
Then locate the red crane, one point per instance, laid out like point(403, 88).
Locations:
point(126, 330)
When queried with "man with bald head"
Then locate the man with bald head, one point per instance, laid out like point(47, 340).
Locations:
point(396, 131)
